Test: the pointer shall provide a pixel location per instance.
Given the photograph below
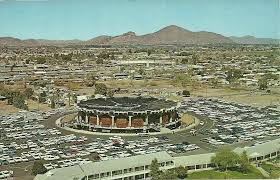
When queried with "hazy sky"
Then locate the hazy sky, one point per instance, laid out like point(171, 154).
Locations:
point(85, 19)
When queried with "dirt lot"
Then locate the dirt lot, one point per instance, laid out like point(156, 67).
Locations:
point(250, 97)
point(68, 118)
point(6, 109)
point(21, 171)
point(36, 105)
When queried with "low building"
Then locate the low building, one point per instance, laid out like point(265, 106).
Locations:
point(138, 167)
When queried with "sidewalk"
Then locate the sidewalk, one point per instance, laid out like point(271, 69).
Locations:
point(264, 172)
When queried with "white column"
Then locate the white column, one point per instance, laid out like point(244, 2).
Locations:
point(97, 118)
point(86, 118)
point(160, 119)
point(170, 120)
point(129, 121)
point(113, 120)
point(147, 120)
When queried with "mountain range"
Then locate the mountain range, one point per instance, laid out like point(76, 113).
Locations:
point(170, 35)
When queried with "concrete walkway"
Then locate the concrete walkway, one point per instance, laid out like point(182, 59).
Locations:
point(162, 131)
point(264, 172)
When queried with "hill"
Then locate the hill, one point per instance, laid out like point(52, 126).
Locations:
point(170, 35)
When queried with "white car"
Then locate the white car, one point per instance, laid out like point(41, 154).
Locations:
point(6, 174)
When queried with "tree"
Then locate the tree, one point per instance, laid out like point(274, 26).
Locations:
point(12, 67)
point(141, 71)
point(149, 52)
point(182, 79)
point(244, 162)
point(263, 84)
point(99, 61)
point(154, 170)
point(168, 174)
point(181, 172)
point(233, 75)
point(28, 92)
point(214, 82)
point(101, 89)
point(42, 97)
point(38, 168)
point(225, 158)
point(195, 58)
point(185, 61)
point(186, 93)
point(110, 93)
point(41, 60)
point(52, 103)
point(19, 102)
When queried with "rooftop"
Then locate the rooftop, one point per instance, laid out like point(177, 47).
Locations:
point(127, 104)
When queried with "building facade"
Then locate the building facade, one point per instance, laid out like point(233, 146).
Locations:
point(127, 114)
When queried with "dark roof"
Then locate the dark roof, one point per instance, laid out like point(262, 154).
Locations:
point(126, 104)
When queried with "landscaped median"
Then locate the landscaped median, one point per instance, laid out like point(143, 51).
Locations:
point(253, 173)
point(272, 169)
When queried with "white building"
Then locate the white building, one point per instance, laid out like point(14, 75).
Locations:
point(138, 167)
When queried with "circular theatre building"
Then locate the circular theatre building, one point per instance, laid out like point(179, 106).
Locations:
point(127, 114)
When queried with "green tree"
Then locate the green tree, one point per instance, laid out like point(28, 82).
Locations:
point(110, 93)
point(225, 158)
point(181, 172)
point(42, 97)
point(195, 58)
point(52, 103)
point(99, 61)
point(233, 75)
point(182, 79)
point(154, 170)
point(28, 92)
point(263, 84)
point(168, 174)
point(141, 71)
point(38, 168)
point(19, 101)
point(184, 61)
point(41, 60)
point(186, 93)
point(214, 82)
point(101, 89)
point(244, 162)
point(149, 52)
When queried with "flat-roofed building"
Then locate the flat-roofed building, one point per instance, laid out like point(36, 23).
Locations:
point(134, 167)
point(138, 167)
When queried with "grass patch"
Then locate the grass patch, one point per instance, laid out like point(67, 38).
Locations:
point(216, 174)
point(187, 119)
point(273, 170)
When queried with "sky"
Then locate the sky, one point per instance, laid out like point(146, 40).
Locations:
point(86, 19)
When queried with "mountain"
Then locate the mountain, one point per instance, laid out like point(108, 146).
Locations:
point(254, 40)
point(99, 40)
point(168, 35)
point(57, 42)
point(173, 35)
point(177, 35)
point(10, 41)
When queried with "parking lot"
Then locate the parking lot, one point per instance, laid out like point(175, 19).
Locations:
point(234, 123)
point(30, 136)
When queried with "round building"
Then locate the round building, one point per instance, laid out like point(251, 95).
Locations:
point(127, 114)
